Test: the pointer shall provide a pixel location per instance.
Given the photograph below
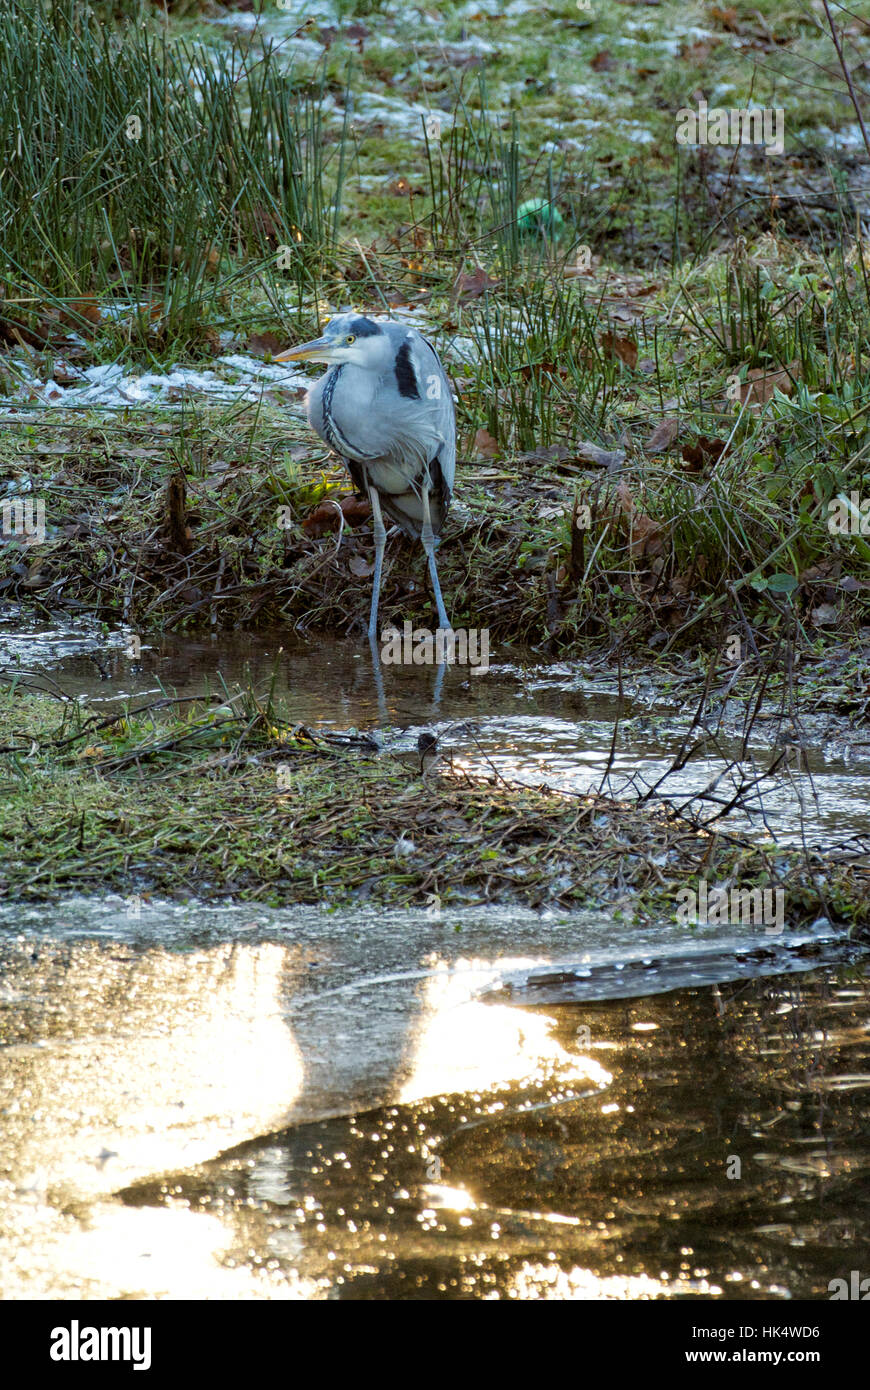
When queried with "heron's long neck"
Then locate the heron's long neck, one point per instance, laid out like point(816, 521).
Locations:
point(348, 393)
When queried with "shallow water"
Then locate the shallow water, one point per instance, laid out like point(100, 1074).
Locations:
point(232, 1101)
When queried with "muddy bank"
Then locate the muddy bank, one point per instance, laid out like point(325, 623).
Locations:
point(254, 527)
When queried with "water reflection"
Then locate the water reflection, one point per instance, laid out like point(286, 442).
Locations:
point(709, 1142)
point(117, 1062)
point(461, 1043)
point(723, 1159)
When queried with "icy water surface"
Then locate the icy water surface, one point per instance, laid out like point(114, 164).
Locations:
point(236, 1102)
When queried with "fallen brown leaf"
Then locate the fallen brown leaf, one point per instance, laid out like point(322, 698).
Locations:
point(83, 308)
point(325, 517)
point(485, 444)
point(662, 436)
point(726, 17)
point(587, 452)
point(623, 348)
point(762, 382)
point(646, 537)
point(358, 565)
point(823, 577)
point(703, 452)
point(65, 375)
point(534, 370)
point(825, 615)
point(697, 52)
point(471, 285)
point(264, 344)
point(357, 510)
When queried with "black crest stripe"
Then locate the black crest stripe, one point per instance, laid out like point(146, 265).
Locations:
point(405, 375)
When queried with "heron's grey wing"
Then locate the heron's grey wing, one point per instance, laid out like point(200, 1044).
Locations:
point(314, 406)
point(446, 423)
point(414, 410)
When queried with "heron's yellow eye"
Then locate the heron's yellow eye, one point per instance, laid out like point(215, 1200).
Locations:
point(351, 338)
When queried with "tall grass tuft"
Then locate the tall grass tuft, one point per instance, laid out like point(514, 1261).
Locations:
point(155, 170)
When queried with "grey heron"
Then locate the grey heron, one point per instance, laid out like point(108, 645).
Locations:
point(386, 408)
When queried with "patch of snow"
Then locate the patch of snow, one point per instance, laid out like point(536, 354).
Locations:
point(638, 133)
point(581, 91)
point(111, 384)
point(400, 114)
point(475, 45)
point(847, 137)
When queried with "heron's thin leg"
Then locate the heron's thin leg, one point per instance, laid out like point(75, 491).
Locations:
point(380, 542)
point(427, 536)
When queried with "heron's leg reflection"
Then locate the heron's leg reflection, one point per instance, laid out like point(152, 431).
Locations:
point(379, 681)
point(439, 682)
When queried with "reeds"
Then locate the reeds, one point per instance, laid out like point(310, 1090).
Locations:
point(163, 174)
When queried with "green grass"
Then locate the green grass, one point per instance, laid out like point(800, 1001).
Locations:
point(155, 172)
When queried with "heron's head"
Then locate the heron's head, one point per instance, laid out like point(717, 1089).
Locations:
point(346, 338)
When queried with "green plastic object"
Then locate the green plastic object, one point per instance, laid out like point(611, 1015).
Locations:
point(539, 215)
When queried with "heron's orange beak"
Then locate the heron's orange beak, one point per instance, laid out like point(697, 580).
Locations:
point(318, 350)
